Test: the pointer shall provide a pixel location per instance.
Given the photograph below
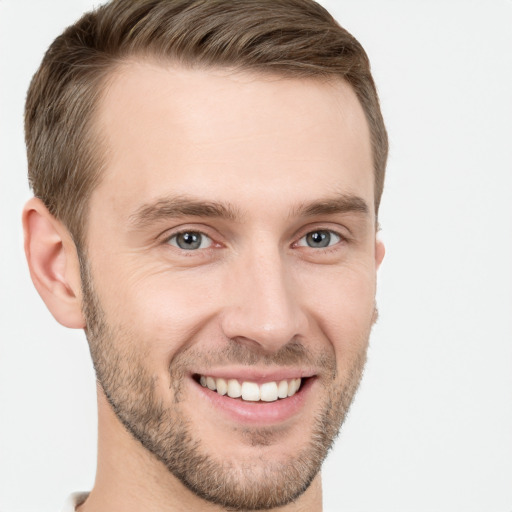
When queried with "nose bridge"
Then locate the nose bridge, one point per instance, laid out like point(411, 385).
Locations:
point(263, 305)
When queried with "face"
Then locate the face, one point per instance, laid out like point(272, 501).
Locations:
point(229, 274)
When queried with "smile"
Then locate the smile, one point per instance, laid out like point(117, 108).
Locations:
point(251, 391)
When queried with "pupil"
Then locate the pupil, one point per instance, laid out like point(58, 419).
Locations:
point(319, 239)
point(189, 240)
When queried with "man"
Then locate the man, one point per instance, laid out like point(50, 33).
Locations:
point(207, 177)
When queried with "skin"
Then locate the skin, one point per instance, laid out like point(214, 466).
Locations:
point(263, 148)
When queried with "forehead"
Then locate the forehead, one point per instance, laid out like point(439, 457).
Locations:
point(232, 135)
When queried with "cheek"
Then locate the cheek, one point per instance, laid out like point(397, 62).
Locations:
point(165, 311)
point(162, 310)
point(343, 307)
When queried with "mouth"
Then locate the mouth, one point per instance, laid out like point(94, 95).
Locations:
point(257, 398)
point(249, 391)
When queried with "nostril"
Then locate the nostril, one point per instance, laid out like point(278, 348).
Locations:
point(255, 347)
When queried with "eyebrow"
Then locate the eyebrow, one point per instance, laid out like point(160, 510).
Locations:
point(341, 203)
point(185, 206)
point(181, 206)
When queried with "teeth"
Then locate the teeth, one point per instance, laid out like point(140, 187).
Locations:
point(222, 386)
point(292, 387)
point(210, 383)
point(268, 392)
point(234, 388)
point(250, 391)
point(282, 389)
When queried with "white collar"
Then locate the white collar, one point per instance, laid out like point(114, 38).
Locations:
point(75, 499)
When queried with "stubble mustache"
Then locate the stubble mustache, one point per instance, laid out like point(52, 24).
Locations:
point(294, 354)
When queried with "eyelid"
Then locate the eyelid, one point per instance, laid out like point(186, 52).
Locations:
point(343, 232)
point(177, 234)
point(166, 236)
point(192, 227)
point(339, 236)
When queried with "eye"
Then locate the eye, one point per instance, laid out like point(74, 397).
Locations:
point(190, 240)
point(319, 239)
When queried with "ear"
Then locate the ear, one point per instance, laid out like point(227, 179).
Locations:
point(380, 251)
point(53, 262)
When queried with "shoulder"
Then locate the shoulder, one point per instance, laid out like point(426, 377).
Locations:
point(75, 499)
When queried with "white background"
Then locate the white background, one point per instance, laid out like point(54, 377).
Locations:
point(431, 429)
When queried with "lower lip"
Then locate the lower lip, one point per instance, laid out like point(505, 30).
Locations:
point(258, 413)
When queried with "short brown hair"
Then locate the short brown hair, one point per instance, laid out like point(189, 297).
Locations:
point(295, 38)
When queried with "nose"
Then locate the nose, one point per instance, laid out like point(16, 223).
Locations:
point(263, 305)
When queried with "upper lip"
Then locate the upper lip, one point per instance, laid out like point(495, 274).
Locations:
point(260, 375)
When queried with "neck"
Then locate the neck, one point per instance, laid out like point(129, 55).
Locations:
point(131, 479)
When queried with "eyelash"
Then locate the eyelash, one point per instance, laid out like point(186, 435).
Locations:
point(330, 233)
point(174, 236)
point(339, 238)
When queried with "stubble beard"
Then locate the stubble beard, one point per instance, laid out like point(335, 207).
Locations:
point(165, 432)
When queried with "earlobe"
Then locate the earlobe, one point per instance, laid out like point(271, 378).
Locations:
point(53, 263)
point(380, 251)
